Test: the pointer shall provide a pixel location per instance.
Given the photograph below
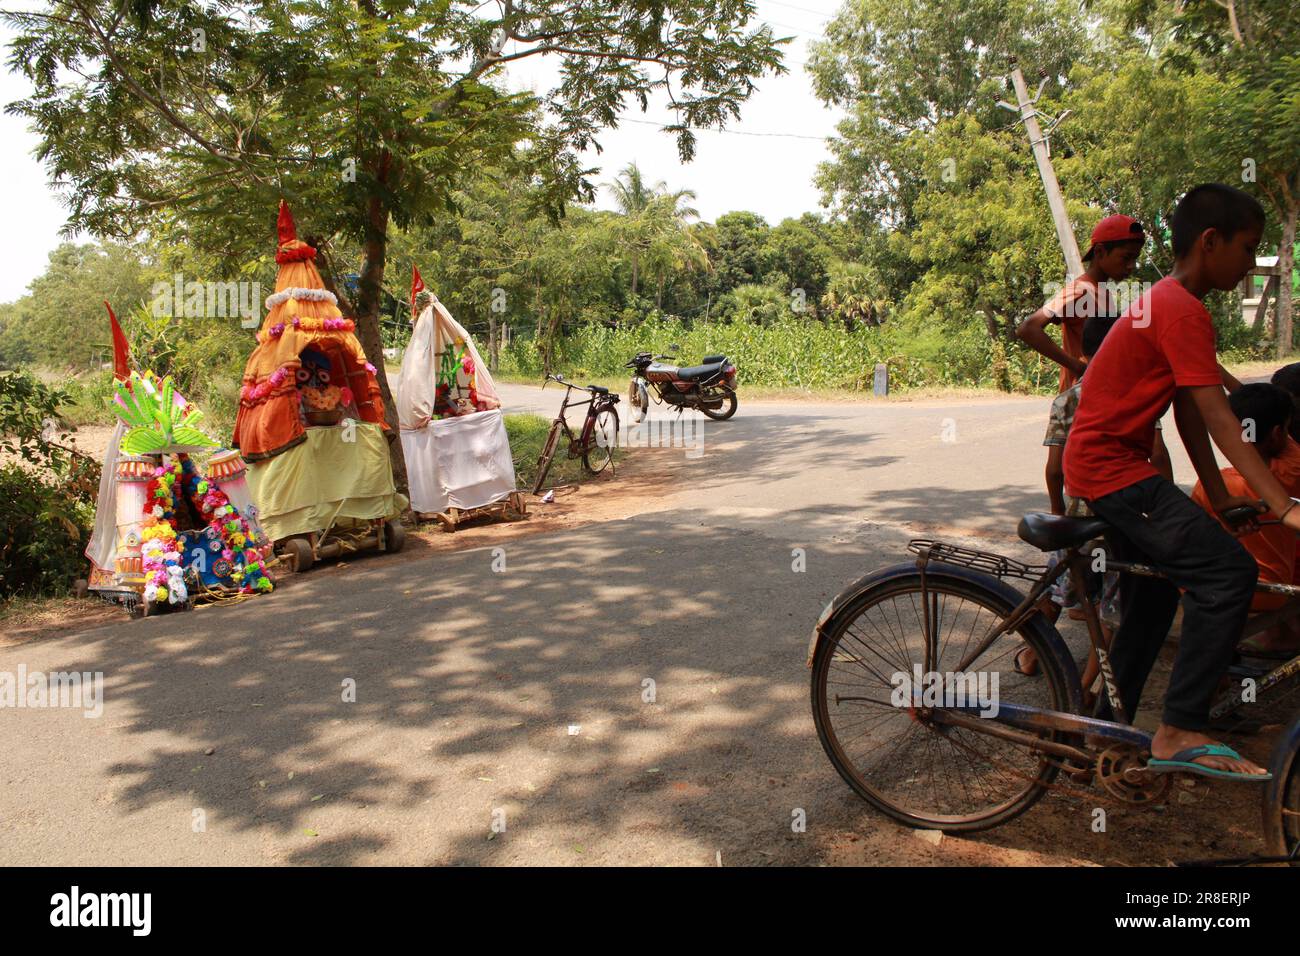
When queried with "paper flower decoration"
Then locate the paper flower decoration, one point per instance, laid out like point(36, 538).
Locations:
point(159, 418)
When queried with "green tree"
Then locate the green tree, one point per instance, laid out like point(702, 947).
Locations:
point(899, 67)
point(363, 114)
point(1251, 50)
point(739, 258)
point(61, 321)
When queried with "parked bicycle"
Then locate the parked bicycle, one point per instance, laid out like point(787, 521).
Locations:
point(943, 761)
point(595, 444)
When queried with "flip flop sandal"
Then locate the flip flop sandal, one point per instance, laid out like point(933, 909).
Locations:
point(1248, 648)
point(1016, 666)
point(1182, 762)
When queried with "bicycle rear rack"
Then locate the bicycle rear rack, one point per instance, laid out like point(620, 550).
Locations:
point(998, 565)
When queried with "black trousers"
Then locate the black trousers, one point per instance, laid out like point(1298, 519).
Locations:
point(1153, 522)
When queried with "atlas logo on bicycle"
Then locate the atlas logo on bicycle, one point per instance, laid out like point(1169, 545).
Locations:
point(977, 691)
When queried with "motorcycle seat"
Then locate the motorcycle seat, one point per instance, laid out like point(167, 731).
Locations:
point(699, 371)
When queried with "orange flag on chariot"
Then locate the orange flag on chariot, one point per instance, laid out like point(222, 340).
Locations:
point(417, 286)
point(121, 351)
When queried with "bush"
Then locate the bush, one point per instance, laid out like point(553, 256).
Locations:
point(799, 353)
point(47, 491)
point(44, 527)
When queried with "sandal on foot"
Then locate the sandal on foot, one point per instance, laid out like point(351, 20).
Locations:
point(1183, 762)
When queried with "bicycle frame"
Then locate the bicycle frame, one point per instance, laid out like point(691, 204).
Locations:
point(1018, 718)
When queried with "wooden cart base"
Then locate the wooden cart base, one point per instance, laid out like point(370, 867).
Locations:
point(510, 508)
point(379, 534)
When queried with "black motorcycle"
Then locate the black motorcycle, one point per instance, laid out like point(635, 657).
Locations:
point(709, 386)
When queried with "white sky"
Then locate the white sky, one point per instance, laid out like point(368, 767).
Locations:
point(770, 175)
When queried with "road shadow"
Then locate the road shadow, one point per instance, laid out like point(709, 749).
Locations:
point(620, 694)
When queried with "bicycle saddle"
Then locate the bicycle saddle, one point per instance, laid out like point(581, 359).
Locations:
point(598, 389)
point(1048, 532)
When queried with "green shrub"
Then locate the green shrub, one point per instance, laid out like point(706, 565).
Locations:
point(47, 491)
point(801, 353)
point(44, 527)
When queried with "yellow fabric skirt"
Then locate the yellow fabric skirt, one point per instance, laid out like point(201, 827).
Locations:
point(340, 474)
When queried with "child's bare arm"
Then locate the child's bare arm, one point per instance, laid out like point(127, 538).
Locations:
point(1207, 406)
point(1055, 474)
point(1160, 456)
point(1230, 381)
point(1033, 332)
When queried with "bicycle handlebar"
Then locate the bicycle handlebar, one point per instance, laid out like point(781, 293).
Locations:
point(1242, 514)
point(551, 377)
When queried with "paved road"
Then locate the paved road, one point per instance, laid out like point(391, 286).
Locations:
point(523, 696)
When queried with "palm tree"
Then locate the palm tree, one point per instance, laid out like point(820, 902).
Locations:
point(655, 224)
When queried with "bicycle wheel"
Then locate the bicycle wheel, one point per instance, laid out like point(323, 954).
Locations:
point(1282, 799)
point(548, 453)
point(604, 439)
point(919, 770)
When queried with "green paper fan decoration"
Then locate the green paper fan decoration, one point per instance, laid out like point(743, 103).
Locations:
point(159, 418)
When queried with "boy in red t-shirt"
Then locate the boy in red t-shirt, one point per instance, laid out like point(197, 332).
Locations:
point(1162, 350)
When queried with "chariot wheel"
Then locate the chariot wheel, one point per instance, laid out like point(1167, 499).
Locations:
point(299, 551)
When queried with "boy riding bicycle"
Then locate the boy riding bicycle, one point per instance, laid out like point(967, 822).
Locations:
point(1163, 350)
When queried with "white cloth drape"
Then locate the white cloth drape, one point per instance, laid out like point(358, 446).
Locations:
point(459, 462)
point(435, 331)
point(102, 549)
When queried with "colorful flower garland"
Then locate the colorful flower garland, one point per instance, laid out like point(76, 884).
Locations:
point(297, 253)
point(239, 542)
point(161, 559)
point(256, 393)
point(300, 324)
point(164, 576)
point(302, 295)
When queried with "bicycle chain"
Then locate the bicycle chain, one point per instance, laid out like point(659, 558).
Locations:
point(1089, 794)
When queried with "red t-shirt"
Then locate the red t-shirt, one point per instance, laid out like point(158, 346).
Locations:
point(1076, 302)
point(1164, 340)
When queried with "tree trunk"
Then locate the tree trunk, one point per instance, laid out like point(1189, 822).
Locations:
point(635, 265)
point(493, 356)
point(1285, 265)
point(370, 287)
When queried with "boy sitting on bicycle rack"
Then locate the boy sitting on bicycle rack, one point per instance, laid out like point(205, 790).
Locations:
point(1163, 350)
point(1265, 412)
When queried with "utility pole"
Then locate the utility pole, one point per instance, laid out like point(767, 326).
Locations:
point(1025, 106)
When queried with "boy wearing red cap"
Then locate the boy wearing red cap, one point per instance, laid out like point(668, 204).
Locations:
point(1112, 255)
point(1162, 350)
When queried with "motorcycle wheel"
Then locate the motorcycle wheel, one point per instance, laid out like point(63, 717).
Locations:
point(729, 403)
point(639, 398)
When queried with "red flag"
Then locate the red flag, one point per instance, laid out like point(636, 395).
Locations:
point(121, 352)
point(284, 224)
point(417, 286)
